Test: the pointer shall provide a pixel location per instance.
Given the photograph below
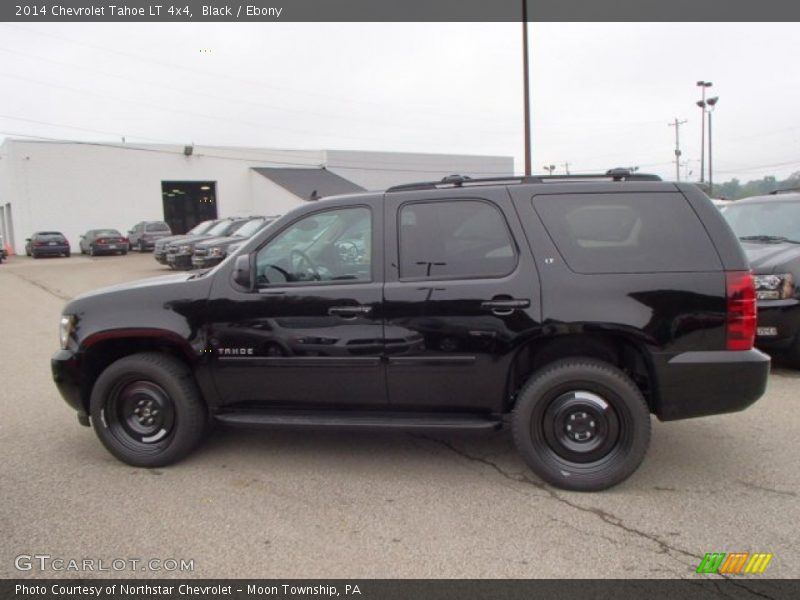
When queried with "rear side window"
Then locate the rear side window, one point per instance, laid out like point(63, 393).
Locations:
point(627, 233)
point(461, 239)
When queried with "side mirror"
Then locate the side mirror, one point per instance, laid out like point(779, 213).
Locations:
point(243, 271)
point(27, 239)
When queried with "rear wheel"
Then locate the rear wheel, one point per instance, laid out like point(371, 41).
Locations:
point(141, 246)
point(581, 424)
point(147, 411)
point(68, 253)
point(92, 251)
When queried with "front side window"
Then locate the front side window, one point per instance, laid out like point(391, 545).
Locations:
point(458, 239)
point(331, 246)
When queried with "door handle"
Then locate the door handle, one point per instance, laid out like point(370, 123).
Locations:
point(349, 312)
point(503, 308)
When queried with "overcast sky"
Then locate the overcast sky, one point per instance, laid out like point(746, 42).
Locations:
point(602, 94)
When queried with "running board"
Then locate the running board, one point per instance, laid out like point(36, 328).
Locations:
point(360, 420)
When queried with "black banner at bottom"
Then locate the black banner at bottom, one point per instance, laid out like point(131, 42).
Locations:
point(396, 589)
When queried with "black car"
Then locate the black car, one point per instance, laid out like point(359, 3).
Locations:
point(47, 243)
point(144, 235)
point(212, 252)
point(103, 241)
point(160, 246)
point(568, 308)
point(179, 252)
point(769, 229)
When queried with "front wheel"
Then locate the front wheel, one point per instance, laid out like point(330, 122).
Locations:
point(581, 424)
point(147, 411)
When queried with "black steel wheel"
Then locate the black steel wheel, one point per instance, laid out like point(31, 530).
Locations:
point(147, 411)
point(581, 424)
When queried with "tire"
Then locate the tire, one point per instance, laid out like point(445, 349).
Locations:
point(581, 424)
point(27, 251)
point(124, 252)
point(68, 254)
point(123, 397)
point(92, 251)
point(141, 247)
point(34, 255)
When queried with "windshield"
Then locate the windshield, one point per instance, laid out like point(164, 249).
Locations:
point(249, 228)
point(220, 228)
point(157, 227)
point(107, 233)
point(770, 218)
point(200, 228)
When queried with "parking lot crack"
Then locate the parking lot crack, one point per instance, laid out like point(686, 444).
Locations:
point(43, 287)
point(610, 519)
point(770, 490)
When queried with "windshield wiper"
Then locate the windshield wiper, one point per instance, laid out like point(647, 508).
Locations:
point(767, 238)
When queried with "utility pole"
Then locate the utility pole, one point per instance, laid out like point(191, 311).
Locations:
point(566, 167)
point(677, 125)
point(526, 94)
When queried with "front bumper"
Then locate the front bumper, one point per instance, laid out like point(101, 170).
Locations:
point(696, 384)
point(160, 255)
point(179, 261)
point(784, 317)
point(205, 262)
point(65, 368)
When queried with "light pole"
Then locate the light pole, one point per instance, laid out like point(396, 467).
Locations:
point(702, 104)
point(549, 169)
point(711, 102)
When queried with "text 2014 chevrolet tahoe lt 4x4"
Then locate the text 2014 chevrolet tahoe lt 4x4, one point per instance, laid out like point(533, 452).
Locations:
point(569, 308)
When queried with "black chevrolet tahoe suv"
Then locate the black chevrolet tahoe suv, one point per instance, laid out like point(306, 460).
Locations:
point(567, 308)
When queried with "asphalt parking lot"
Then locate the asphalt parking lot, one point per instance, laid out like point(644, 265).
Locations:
point(293, 504)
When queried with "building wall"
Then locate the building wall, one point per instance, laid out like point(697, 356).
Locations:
point(76, 187)
point(73, 187)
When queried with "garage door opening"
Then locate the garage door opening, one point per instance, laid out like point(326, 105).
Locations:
point(187, 203)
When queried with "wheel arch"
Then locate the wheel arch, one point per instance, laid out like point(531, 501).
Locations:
point(102, 349)
point(616, 348)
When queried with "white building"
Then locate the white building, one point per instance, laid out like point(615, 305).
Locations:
point(76, 186)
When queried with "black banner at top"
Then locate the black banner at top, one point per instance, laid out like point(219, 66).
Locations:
point(398, 10)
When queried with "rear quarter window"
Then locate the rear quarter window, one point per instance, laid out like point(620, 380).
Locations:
point(627, 233)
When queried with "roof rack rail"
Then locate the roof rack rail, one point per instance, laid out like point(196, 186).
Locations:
point(464, 180)
point(785, 191)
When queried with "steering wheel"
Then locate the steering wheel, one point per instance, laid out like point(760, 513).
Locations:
point(309, 264)
point(348, 251)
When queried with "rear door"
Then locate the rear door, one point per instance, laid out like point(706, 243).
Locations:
point(461, 295)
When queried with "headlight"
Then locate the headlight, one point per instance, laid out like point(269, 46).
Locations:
point(65, 329)
point(185, 249)
point(217, 252)
point(774, 287)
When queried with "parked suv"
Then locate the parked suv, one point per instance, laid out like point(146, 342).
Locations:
point(160, 246)
point(179, 252)
point(568, 308)
point(144, 235)
point(769, 229)
point(212, 252)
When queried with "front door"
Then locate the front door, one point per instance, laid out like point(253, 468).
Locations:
point(460, 277)
point(311, 332)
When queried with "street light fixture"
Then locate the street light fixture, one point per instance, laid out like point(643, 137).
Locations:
point(549, 169)
point(702, 104)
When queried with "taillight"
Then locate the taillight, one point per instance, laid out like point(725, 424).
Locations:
point(101, 240)
point(740, 323)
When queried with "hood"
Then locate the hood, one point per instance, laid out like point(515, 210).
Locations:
point(140, 284)
point(220, 241)
point(172, 238)
point(771, 257)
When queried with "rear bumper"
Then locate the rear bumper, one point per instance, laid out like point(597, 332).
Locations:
point(696, 384)
point(784, 316)
point(65, 368)
point(50, 250)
